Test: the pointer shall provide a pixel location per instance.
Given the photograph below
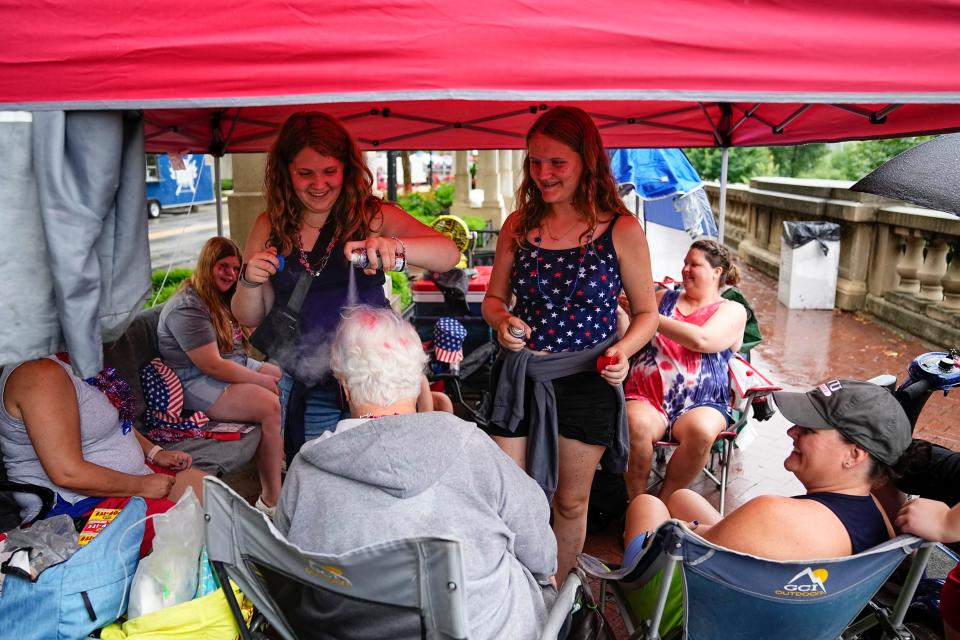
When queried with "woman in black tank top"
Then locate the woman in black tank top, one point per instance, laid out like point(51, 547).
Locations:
point(846, 435)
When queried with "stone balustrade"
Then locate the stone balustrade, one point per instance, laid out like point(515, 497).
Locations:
point(898, 263)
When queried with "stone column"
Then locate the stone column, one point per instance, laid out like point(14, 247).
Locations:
point(488, 179)
point(933, 269)
point(461, 184)
point(507, 187)
point(909, 264)
point(951, 282)
point(247, 201)
point(370, 159)
point(518, 155)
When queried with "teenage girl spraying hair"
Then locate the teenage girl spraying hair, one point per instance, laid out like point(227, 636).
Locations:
point(564, 256)
point(320, 208)
point(203, 343)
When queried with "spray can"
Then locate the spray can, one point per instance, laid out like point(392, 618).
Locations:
point(515, 331)
point(360, 260)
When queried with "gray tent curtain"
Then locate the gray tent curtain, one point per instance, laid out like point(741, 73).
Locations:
point(75, 240)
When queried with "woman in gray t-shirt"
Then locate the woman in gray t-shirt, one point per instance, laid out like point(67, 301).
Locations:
point(202, 342)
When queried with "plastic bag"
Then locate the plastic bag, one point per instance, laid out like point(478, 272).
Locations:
point(797, 233)
point(168, 576)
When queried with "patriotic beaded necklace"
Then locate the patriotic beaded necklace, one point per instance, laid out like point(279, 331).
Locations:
point(323, 261)
point(584, 252)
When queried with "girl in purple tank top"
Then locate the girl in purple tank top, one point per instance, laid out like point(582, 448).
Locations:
point(320, 207)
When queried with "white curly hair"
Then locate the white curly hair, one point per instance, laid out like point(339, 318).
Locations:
point(377, 356)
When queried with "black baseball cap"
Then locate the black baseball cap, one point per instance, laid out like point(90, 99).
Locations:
point(863, 412)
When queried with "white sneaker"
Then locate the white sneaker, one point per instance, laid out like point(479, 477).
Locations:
point(262, 506)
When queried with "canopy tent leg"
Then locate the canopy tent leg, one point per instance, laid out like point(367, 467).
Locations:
point(724, 159)
point(217, 190)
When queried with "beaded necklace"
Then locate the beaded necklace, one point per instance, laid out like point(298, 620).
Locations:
point(323, 261)
point(117, 391)
point(580, 270)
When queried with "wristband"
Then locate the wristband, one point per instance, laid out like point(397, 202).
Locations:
point(153, 453)
point(246, 283)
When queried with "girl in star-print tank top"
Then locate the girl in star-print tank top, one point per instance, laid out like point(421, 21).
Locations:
point(565, 255)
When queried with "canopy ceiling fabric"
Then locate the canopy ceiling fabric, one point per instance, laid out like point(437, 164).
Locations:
point(220, 76)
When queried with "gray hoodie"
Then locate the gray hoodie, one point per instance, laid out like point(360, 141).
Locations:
point(429, 474)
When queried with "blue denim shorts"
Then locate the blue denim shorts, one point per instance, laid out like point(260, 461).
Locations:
point(322, 412)
point(200, 391)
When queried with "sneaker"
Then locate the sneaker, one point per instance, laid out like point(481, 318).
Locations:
point(262, 506)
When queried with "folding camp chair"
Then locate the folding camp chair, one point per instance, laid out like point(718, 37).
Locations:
point(748, 390)
point(682, 584)
point(398, 589)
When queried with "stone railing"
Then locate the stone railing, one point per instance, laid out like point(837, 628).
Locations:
point(899, 263)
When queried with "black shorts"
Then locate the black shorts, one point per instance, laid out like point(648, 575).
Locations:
point(586, 410)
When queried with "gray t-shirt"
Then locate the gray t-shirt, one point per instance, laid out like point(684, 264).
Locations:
point(101, 439)
point(185, 325)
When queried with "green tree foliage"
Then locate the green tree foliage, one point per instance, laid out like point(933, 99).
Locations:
point(847, 161)
point(401, 285)
point(425, 206)
point(795, 160)
point(744, 163)
point(853, 160)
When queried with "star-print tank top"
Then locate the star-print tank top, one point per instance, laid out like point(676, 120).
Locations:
point(568, 297)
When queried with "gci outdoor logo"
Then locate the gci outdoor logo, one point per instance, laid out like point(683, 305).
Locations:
point(809, 583)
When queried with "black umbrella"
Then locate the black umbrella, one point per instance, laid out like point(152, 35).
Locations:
point(928, 175)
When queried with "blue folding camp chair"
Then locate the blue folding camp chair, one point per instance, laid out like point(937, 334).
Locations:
point(409, 588)
point(683, 585)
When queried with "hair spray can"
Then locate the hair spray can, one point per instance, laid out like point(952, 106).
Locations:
point(360, 260)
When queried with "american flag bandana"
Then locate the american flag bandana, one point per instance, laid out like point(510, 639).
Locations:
point(163, 394)
point(448, 336)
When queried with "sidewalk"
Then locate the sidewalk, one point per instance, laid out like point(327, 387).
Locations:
point(799, 349)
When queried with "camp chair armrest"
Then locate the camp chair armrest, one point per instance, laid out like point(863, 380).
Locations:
point(46, 495)
point(562, 607)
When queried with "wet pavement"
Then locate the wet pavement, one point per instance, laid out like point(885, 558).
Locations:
point(801, 348)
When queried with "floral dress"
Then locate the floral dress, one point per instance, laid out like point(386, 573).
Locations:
point(674, 379)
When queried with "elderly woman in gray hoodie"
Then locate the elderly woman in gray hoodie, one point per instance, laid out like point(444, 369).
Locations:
point(388, 472)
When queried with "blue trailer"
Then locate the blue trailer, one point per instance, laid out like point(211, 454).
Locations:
point(178, 182)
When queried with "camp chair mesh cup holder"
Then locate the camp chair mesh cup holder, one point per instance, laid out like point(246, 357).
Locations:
point(416, 581)
point(750, 399)
point(810, 599)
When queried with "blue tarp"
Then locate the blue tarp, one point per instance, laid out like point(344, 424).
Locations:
point(669, 187)
point(654, 173)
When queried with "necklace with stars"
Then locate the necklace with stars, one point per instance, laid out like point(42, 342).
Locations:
point(585, 250)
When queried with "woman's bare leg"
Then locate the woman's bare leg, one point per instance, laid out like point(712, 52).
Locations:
point(696, 431)
point(252, 403)
point(189, 478)
point(578, 463)
point(688, 505)
point(644, 514)
point(647, 426)
point(516, 448)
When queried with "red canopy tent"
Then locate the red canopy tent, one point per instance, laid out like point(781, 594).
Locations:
point(219, 76)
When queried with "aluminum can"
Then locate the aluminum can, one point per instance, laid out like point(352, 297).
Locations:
point(360, 261)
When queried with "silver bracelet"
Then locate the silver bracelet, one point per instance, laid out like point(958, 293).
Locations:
point(403, 253)
point(403, 246)
point(246, 283)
